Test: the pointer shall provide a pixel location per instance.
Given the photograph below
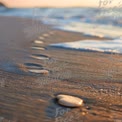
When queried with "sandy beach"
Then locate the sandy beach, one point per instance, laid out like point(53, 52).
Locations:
point(30, 97)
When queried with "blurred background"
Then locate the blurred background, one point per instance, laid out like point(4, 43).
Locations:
point(101, 18)
point(61, 3)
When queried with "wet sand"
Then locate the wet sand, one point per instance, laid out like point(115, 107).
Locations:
point(30, 97)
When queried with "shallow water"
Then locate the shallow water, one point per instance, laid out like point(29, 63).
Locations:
point(99, 30)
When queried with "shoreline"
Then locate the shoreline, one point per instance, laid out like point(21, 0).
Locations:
point(30, 98)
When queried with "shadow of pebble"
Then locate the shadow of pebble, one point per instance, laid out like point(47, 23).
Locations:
point(54, 110)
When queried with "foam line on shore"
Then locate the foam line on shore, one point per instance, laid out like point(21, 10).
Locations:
point(107, 46)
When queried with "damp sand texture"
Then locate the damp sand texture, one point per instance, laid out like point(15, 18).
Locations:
point(94, 77)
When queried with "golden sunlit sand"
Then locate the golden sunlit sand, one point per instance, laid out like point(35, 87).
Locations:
point(31, 97)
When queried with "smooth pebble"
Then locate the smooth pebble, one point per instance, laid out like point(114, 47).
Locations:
point(38, 42)
point(69, 101)
point(45, 35)
point(38, 48)
point(41, 37)
point(39, 71)
point(40, 57)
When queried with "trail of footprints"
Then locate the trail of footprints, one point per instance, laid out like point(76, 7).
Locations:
point(38, 45)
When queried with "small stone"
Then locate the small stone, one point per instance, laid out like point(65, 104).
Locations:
point(39, 71)
point(38, 42)
point(38, 48)
point(41, 37)
point(83, 113)
point(40, 57)
point(61, 96)
point(45, 35)
point(69, 101)
point(88, 108)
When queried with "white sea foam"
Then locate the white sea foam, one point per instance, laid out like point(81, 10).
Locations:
point(107, 46)
point(90, 21)
point(98, 30)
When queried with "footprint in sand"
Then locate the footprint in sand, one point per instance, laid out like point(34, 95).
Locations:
point(38, 48)
point(35, 68)
point(39, 56)
point(33, 65)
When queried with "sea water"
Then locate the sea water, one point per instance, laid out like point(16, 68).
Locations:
point(103, 23)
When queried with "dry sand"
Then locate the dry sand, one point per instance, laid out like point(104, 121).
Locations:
point(28, 97)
